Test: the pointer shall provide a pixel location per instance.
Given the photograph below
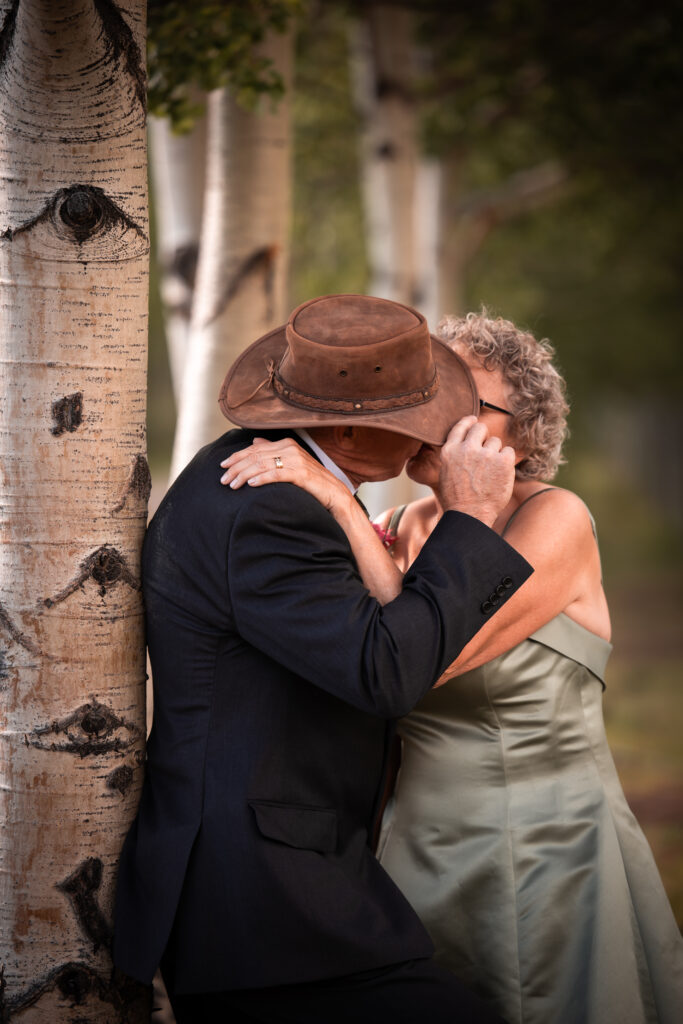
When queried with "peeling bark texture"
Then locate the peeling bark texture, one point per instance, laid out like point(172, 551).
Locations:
point(242, 273)
point(67, 413)
point(73, 326)
point(138, 485)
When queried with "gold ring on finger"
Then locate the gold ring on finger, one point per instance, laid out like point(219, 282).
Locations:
point(278, 462)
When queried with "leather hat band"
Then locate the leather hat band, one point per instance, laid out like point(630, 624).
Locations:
point(352, 406)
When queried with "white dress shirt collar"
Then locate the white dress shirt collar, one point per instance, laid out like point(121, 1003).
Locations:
point(324, 458)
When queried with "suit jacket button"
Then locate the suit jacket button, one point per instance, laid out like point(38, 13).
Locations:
point(486, 607)
point(494, 598)
point(500, 590)
point(507, 582)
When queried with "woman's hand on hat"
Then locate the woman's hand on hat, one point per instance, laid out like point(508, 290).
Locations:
point(477, 472)
point(272, 462)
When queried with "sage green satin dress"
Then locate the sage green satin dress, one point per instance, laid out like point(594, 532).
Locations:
point(510, 835)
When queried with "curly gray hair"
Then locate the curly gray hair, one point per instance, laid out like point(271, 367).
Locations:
point(539, 404)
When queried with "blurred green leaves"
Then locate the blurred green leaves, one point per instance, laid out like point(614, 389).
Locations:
point(197, 47)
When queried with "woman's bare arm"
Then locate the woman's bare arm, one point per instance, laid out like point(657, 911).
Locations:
point(255, 466)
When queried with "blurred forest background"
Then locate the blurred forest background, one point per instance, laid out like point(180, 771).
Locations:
point(592, 260)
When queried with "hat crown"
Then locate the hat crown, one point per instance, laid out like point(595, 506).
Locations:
point(350, 320)
point(345, 347)
point(350, 359)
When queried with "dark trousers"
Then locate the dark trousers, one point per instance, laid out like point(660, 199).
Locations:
point(411, 993)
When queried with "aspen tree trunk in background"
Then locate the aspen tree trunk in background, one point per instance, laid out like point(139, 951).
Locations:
point(382, 55)
point(178, 171)
point(241, 288)
point(382, 65)
point(428, 239)
point(74, 485)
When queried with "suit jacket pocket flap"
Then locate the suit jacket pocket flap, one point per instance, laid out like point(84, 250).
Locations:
point(306, 828)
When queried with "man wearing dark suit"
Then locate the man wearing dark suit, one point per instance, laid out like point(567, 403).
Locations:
point(248, 872)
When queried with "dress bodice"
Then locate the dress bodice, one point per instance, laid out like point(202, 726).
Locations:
point(510, 835)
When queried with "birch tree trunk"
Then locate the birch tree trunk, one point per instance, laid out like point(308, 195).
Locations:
point(382, 75)
point(74, 483)
point(242, 273)
point(382, 58)
point(178, 171)
point(428, 239)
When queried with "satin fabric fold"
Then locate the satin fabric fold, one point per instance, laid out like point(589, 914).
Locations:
point(510, 835)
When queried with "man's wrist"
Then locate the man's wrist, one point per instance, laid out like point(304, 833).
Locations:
point(485, 515)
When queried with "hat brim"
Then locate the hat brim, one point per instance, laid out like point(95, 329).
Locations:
point(248, 400)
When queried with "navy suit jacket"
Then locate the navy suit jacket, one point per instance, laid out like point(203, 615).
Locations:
point(276, 682)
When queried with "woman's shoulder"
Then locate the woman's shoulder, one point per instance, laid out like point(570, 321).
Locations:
point(557, 508)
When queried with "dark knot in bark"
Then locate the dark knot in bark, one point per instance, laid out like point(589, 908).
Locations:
point(92, 729)
point(120, 779)
point(81, 210)
point(106, 566)
point(94, 723)
point(67, 413)
point(75, 983)
point(81, 888)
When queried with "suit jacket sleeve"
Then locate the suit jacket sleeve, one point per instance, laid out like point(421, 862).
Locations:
point(297, 596)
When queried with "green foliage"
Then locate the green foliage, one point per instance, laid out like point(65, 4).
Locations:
point(598, 273)
point(203, 46)
point(328, 253)
point(601, 83)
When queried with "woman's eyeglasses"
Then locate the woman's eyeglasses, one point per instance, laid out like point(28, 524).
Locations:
point(496, 408)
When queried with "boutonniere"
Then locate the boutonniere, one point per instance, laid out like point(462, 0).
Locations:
point(388, 537)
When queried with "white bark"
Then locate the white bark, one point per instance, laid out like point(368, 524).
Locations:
point(428, 239)
point(382, 57)
point(392, 181)
point(73, 493)
point(242, 273)
point(178, 172)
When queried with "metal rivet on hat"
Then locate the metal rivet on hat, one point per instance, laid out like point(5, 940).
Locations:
point(357, 405)
point(343, 373)
point(426, 394)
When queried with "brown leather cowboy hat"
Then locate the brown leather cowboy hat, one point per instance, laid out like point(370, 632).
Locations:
point(351, 359)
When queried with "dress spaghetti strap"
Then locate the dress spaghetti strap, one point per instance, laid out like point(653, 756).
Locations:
point(521, 506)
point(396, 516)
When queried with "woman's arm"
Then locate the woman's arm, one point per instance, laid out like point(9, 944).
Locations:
point(553, 532)
point(255, 466)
